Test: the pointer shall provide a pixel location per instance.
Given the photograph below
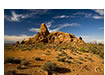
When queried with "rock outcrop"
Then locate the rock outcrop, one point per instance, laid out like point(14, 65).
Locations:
point(55, 37)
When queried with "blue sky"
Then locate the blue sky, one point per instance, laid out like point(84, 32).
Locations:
point(21, 24)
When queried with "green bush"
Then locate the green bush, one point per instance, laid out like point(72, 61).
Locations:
point(97, 49)
point(80, 58)
point(11, 60)
point(61, 59)
point(101, 54)
point(89, 59)
point(26, 48)
point(83, 50)
point(101, 44)
point(48, 51)
point(69, 57)
point(73, 53)
point(63, 54)
point(37, 58)
point(49, 67)
point(68, 61)
point(24, 62)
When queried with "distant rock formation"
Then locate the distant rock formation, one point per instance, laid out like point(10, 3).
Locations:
point(17, 42)
point(55, 37)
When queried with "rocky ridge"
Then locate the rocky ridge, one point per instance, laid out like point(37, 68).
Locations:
point(55, 37)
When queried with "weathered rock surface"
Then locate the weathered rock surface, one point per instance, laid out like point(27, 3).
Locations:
point(55, 37)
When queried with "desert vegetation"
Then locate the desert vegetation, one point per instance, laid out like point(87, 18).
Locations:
point(48, 54)
point(62, 53)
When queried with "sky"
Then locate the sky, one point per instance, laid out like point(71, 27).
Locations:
point(21, 24)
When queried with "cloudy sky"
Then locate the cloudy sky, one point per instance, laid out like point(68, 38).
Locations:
point(20, 24)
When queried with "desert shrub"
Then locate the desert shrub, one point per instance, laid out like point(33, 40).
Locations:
point(93, 49)
point(10, 73)
point(101, 44)
point(50, 67)
point(48, 51)
point(61, 59)
point(57, 56)
point(79, 62)
point(69, 57)
point(48, 46)
point(58, 46)
point(73, 53)
point(101, 54)
point(68, 61)
point(26, 48)
point(96, 49)
point(12, 60)
point(80, 58)
point(8, 47)
point(41, 46)
point(37, 58)
point(60, 55)
point(60, 50)
point(18, 66)
point(80, 53)
point(24, 62)
point(83, 50)
point(103, 62)
point(63, 53)
point(89, 59)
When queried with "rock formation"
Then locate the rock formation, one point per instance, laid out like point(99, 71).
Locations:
point(55, 37)
point(17, 42)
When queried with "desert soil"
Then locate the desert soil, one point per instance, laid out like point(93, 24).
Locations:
point(87, 67)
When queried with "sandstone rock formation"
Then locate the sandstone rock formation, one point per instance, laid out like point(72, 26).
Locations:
point(55, 37)
point(17, 42)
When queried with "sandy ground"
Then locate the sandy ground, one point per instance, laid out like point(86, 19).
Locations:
point(88, 67)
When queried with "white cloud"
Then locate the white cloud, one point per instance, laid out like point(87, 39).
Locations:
point(62, 26)
point(14, 38)
point(99, 11)
point(92, 38)
point(34, 29)
point(85, 14)
point(49, 25)
point(98, 17)
point(15, 17)
point(100, 40)
point(62, 16)
point(90, 15)
point(54, 30)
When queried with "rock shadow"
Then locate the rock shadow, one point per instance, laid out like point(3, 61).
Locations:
point(62, 70)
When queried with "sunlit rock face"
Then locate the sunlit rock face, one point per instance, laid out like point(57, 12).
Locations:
point(43, 30)
point(55, 37)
